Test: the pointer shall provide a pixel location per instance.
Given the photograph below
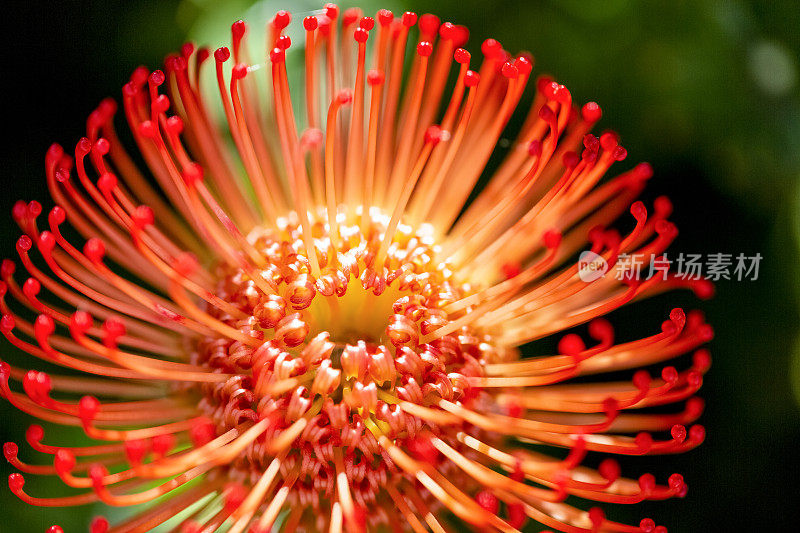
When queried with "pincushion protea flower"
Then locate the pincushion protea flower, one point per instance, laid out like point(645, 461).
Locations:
point(318, 329)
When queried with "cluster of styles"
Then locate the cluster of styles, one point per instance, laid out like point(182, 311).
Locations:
point(314, 323)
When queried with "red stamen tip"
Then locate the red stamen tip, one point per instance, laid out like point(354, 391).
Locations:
point(277, 55)
point(239, 28)
point(409, 19)
point(385, 17)
point(222, 54)
point(88, 406)
point(375, 77)
point(55, 529)
point(509, 70)
point(239, 71)
point(34, 434)
point(99, 525)
point(591, 112)
point(488, 501)
point(64, 461)
point(16, 482)
point(361, 35)
point(310, 23)
point(143, 216)
point(366, 23)
point(281, 19)
point(332, 11)
point(95, 250)
point(344, 96)
point(471, 78)
point(10, 450)
point(492, 49)
point(428, 25)
point(434, 134)
point(424, 48)
point(461, 56)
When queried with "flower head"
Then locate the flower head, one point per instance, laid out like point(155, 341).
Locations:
point(315, 322)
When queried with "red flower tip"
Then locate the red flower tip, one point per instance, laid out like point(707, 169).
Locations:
point(409, 18)
point(461, 56)
point(186, 264)
point(143, 216)
point(24, 243)
point(239, 28)
point(647, 525)
point(609, 469)
point(156, 78)
point(366, 23)
point(310, 23)
point(428, 25)
point(701, 360)
point(424, 48)
point(361, 35)
point(510, 270)
point(571, 344)
point(434, 134)
point(281, 19)
point(135, 451)
point(284, 42)
point(10, 450)
point(99, 525)
point(88, 407)
point(647, 483)
point(34, 434)
point(596, 517)
point(509, 70)
point(644, 441)
point(222, 54)
point(678, 432)
point(609, 140)
point(332, 11)
point(37, 385)
point(202, 432)
point(492, 49)
point(107, 182)
point(57, 216)
point(97, 472)
point(16, 482)
point(64, 461)
point(488, 501)
point(375, 77)
point(552, 239)
point(79, 323)
point(94, 250)
point(234, 496)
point(163, 444)
point(471, 78)
point(239, 71)
point(55, 529)
point(591, 112)
point(516, 515)
point(570, 159)
point(174, 125)
point(277, 55)
point(422, 448)
point(44, 326)
point(344, 96)
point(385, 17)
point(524, 65)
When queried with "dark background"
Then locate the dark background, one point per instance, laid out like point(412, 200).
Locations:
point(707, 91)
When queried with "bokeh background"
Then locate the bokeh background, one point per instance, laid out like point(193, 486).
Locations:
point(706, 90)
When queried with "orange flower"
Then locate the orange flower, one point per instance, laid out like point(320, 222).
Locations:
point(320, 328)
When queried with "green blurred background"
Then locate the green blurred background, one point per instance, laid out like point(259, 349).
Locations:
point(706, 90)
